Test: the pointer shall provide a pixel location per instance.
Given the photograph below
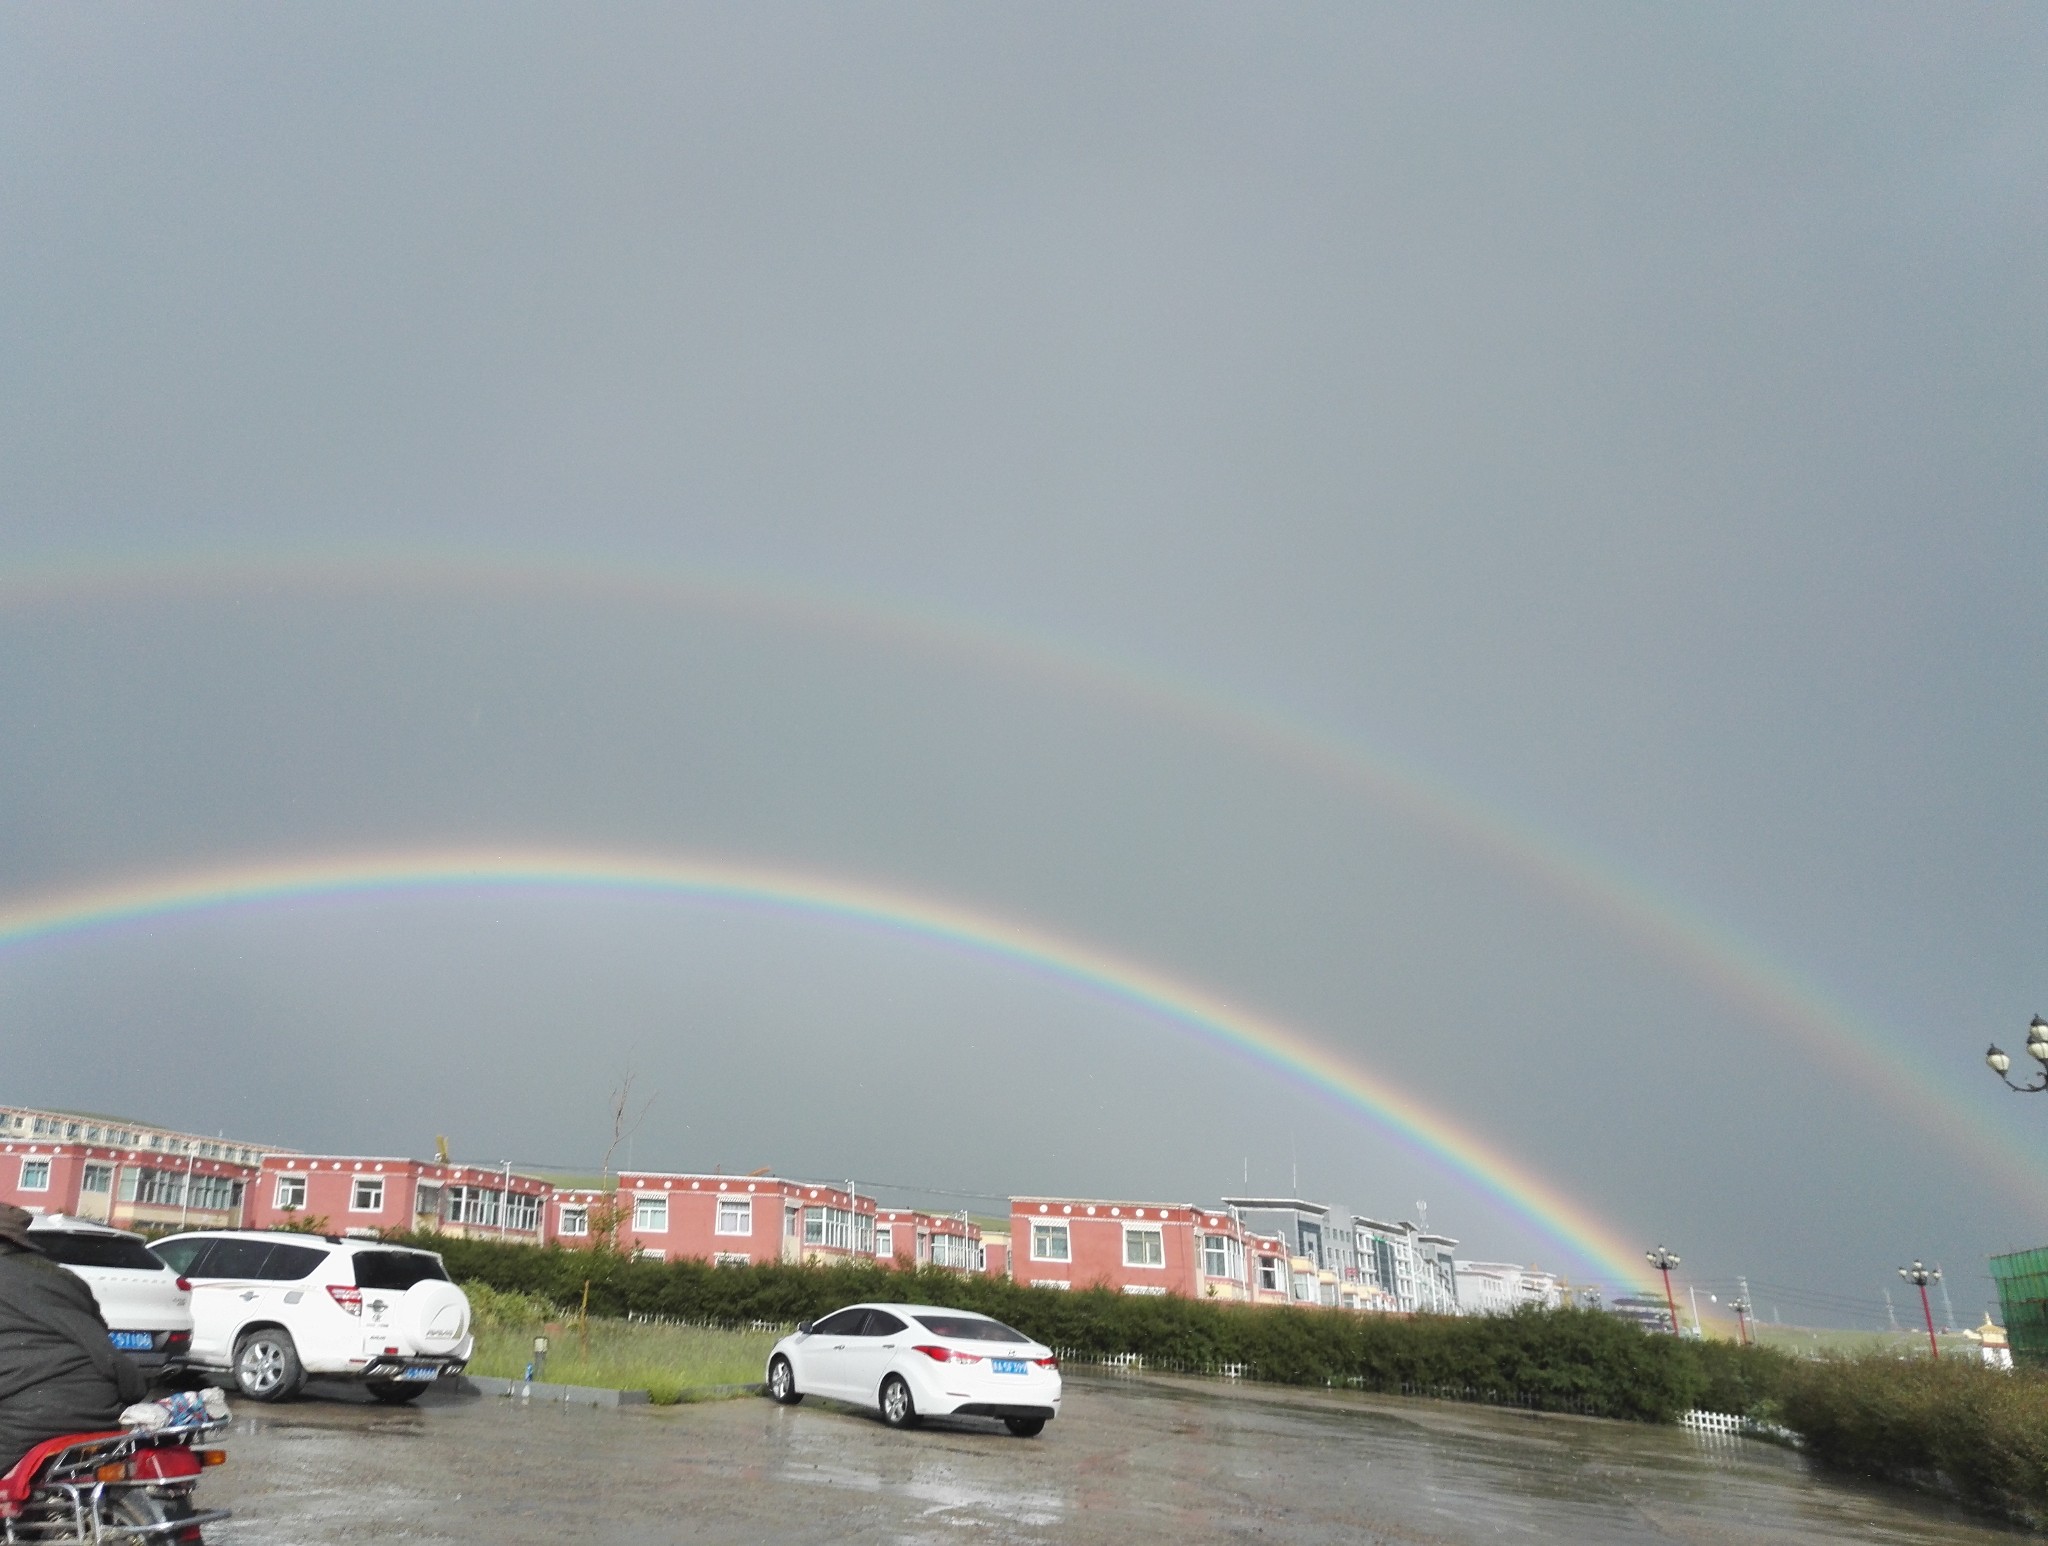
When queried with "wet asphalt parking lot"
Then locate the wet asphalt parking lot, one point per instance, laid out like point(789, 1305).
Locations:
point(1130, 1461)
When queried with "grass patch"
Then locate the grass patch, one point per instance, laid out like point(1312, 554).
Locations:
point(667, 1362)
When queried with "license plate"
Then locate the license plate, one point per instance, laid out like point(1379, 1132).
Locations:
point(132, 1341)
point(1009, 1365)
point(420, 1372)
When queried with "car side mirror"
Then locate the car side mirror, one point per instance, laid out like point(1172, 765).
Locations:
point(803, 1328)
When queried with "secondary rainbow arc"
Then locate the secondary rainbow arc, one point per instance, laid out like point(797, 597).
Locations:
point(1589, 1240)
point(1854, 1049)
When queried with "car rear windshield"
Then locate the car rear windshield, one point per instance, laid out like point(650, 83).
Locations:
point(396, 1271)
point(83, 1250)
point(970, 1328)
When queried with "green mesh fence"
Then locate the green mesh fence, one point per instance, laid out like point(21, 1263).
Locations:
point(2022, 1280)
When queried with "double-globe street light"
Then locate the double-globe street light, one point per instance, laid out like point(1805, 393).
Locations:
point(2037, 1049)
point(1664, 1261)
point(1920, 1277)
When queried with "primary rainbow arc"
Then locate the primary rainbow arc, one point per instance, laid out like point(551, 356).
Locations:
point(1588, 1239)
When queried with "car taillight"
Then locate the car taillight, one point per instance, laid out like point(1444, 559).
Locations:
point(348, 1297)
point(1046, 1363)
point(946, 1354)
point(176, 1340)
point(184, 1285)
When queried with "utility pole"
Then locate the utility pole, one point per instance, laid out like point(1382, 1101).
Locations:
point(1741, 1309)
point(1948, 1311)
point(1890, 1314)
point(1920, 1277)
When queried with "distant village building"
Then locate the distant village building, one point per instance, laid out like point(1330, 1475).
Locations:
point(906, 1237)
point(367, 1195)
point(741, 1221)
point(1132, 1247)
point(131, 1174)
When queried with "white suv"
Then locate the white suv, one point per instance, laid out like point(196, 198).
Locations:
point(147, 1306)
point(272, 1308)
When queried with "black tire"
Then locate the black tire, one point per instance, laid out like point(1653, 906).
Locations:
point(1025, 1427)
point(898, 1409)
point(267, 1366)
point(782, 1381)
point(137, 1506)
point(395, 1392)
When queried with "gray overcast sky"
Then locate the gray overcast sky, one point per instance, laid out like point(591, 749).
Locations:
point(1631, 418)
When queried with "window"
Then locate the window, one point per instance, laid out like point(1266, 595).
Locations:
point(291, 1193)
point(97, 1178)
point(183, 1255)
point(35, 1175)
point(1269, 1273)
point(841, 1323)
point(473, 1205)
point(426, 1202)
point(367, 1196)
point(575, 1219)
point(1144, 1247)
point(831, 1228)
point(885, 1240)
point(791, 1217)
point(864, 1233)
point(86, 1250)
point(394, 1272)
point(1223, 1257)
point(217, 1193)
point(522, 1212)
point(735, 1216)
point(161, 1188)
point(952, 1251)
point(650, 1214)
point(882, 1324)
point(1049, 1243)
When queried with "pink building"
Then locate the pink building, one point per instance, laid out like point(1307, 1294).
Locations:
point(124, 1173)
point(742, 1220)
point(359, 1195)
point(1266, 1268)
point(995, 1253)
point(908, 1238)
point(1137, 1248)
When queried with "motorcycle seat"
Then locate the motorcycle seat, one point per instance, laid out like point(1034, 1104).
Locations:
point(14, 1486)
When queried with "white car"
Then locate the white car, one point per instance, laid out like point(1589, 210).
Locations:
point(147, 1306)
point(271, 1308)
point(918, 1360)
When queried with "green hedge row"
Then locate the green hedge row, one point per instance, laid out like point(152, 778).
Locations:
point(1977, 1433)
point(1559, 1360)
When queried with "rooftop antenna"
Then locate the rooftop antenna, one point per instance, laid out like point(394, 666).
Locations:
point(1294, 1165)
point(1247, 1172)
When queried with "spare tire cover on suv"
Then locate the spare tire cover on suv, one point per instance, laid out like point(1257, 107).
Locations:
point(433, 1316)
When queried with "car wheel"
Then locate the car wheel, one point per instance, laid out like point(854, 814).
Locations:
point(395, 1392)
point(1025, 1427)
point(898, 1410)
point(782, 1381)
point(267, 1366)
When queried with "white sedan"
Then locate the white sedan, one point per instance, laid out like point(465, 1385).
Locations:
point(908, 1361)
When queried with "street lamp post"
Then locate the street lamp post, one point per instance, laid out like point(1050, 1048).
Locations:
point(1664, 1261)
point(1741, 1309)
point(2037, 1049)
point(1920, 1277)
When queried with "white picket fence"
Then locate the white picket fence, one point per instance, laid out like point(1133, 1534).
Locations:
point(1724, 1423)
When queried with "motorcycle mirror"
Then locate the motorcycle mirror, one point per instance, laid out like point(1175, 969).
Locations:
point(803, 1328)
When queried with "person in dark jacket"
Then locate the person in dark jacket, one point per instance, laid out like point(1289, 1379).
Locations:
point(58, 1372)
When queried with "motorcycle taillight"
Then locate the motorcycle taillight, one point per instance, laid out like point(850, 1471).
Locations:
point(173, 1462)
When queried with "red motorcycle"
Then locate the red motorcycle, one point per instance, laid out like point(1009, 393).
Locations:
point(129, 1486)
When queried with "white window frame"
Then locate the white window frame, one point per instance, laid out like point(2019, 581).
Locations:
point(287, 1185)
point(1144, 1232)
point(885, 1240)
point(575, 1220)
point(1042, 1236)
point(648, 1207)
point(96, 1172)
point(522, 1212)
point(39, 1169)
point(361, 1185)
point(742, 1209)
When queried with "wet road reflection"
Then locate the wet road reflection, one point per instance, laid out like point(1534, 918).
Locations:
point(1130, 1461)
